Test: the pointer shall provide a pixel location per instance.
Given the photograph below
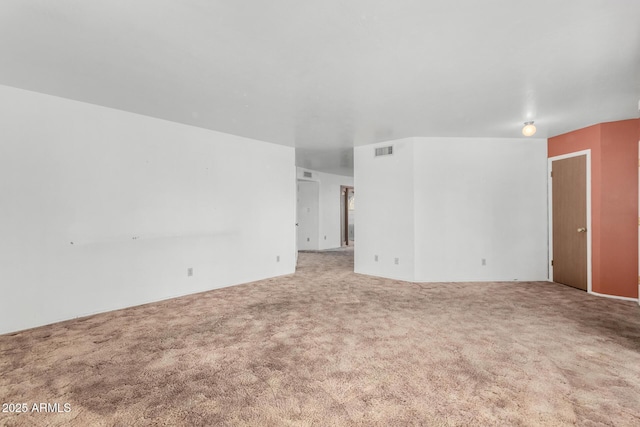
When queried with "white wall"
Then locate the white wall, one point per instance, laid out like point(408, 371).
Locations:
point(329, 206)
point(141, 199)
point(478, 199)
point(384, 200)
point(443, 204)
point(308, 214)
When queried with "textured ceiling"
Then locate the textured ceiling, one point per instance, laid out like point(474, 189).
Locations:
point(326, 75)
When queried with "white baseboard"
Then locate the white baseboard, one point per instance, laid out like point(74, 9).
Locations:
point(615, 297)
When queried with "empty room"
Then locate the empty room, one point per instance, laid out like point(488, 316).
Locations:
point(319, 213)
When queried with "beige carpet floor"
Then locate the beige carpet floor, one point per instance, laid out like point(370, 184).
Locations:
point(327, 347)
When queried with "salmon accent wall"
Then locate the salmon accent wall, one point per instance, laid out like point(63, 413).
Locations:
point(614, 201)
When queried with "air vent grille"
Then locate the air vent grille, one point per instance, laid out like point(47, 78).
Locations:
point(384, 151)
point(307, 174)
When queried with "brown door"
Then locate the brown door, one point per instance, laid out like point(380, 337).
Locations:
point(569, 187)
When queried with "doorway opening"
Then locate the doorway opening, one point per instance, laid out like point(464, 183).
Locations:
point(347, 216)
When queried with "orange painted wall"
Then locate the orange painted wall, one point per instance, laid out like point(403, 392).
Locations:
point(614, 201)
point(619, 204)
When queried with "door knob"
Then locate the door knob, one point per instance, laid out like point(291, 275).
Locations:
point(582, 230)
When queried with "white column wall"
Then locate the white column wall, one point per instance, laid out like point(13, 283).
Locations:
point(385, 203)
point(443, 205)
point(480, 199)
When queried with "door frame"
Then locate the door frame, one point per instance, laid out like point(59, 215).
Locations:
point(550, 161)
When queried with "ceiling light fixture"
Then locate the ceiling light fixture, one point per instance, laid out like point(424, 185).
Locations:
point(529, 129)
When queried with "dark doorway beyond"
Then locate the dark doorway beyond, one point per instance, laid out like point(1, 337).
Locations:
point(347, 216)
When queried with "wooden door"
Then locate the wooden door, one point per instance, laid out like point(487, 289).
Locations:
point(569, 189)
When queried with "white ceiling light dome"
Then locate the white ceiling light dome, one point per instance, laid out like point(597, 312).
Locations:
point(529, 129)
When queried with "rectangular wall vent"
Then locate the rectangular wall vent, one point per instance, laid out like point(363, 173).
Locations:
point(307, 174)
point(384, 151)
